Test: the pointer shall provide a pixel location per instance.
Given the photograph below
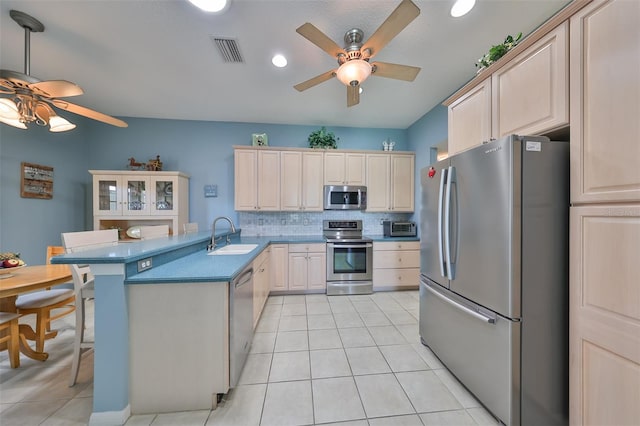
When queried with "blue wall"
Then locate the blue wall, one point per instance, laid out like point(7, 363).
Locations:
point(203, 150)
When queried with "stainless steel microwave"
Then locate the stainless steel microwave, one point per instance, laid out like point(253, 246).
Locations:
point(345, 197)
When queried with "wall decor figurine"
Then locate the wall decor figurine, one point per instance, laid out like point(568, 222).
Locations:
point(260, 139)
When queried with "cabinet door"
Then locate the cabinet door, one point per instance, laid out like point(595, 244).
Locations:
point(279, 267)
point(604, 309)
point(312, 181)
point(378, 182)
point(334, 172)
point(317, 271)
point(297, 271)
point(531, 92)
point(355, 169)
point(470, 119)
point(246, 178)
point(402, 183)
point(136, 194)
point(107, 195)
point(268, 180)
point(291, 180)
point(164, 195)
point(605, 102)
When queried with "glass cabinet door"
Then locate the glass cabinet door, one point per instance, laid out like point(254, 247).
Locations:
point(136, 197)
point(164, 193)
point(108, 199)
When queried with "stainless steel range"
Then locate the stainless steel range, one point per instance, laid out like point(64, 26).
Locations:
point(349, 258)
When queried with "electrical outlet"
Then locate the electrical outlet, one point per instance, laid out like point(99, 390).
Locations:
point(283, 222)
point(305, 222)
point(260, 222)
point(144, 264)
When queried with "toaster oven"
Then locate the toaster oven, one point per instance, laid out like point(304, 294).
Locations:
point(394, 228)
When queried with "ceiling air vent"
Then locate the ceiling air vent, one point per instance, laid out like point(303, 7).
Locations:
point(228, 48)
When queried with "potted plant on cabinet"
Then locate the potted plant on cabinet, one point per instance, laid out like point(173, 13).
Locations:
point(323, 139)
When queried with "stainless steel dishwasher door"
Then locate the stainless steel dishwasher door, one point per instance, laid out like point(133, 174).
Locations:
point(241, 324)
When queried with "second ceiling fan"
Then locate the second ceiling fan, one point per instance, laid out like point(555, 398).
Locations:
point(355, 56)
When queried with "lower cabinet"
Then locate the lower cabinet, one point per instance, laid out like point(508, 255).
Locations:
point(396, 265)
point(307, 267)
point(178, 345)
point(261, 283)
point(279, 261)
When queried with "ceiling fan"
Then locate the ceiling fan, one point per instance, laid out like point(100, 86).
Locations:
point(30, 100)
point(355, 56)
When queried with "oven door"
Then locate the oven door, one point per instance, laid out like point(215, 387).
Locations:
point(349, 261)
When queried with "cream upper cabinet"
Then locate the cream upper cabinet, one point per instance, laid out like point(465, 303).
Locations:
point(344, 168)
point(378, 182)
point(402, 182)
point(301, 180)
point(470, 118)
point(390, 182)
point(526, 95)
point(530, 92)
point(605, 103)
point(257, 179)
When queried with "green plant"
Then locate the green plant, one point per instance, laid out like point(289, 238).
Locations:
point(323, 139)
point(496, 52)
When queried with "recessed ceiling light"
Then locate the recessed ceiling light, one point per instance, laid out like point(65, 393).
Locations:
point(215, 6)
point(462, 7)
point(279, 61)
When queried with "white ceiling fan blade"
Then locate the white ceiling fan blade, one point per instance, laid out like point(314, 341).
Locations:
point(402, 16)
point(315, 81)
point(86, 112)
point(396, 71)
point(353, 95)
point(317, 37)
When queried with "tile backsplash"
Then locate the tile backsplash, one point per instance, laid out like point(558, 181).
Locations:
point(309, 223)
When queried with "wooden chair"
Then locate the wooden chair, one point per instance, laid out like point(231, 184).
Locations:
point(190, 227)
point(9, 324)
point(83, 283)
point(151, 232)
point(42, 302)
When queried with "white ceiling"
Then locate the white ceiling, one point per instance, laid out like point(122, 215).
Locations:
point(155, 58)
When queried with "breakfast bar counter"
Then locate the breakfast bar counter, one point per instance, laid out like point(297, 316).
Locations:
point(178, 264)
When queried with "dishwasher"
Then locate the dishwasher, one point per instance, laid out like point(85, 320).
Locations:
point(241, 323)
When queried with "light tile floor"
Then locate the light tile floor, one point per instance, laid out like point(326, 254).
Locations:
point(348, 360)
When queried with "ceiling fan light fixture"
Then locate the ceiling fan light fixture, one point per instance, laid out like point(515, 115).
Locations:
point(8, 109)
point(462, 7)
point(354, 72)
point(13, 122)
point(59, 124)
point(213, 6)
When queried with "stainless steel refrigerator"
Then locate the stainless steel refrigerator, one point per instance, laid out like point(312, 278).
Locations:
point(494, 274)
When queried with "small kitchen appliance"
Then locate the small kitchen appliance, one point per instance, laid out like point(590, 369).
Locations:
point(395, 228)
point(349, 258)
point(494, 277)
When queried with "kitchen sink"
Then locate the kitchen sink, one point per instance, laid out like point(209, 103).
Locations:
point(234, 249)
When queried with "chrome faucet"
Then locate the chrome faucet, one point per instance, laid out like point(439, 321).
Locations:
point(212, 245)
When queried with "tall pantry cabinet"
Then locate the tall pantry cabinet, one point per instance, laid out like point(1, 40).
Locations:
point(605, 214)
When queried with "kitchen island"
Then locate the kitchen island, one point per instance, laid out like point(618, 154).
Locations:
point(185, 288)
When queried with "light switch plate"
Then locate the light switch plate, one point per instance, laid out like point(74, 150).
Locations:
point(211, 191)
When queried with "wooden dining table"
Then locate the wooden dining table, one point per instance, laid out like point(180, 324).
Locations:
point(16, 281)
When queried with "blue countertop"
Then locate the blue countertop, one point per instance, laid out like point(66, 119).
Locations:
point(184, 258)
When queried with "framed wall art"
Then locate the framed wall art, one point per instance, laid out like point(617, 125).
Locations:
point(36, 181)
point(260, 139)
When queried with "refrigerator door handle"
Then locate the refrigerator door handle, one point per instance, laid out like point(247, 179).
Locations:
point(447, 219)
point(443, 178)
point(457, 305)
